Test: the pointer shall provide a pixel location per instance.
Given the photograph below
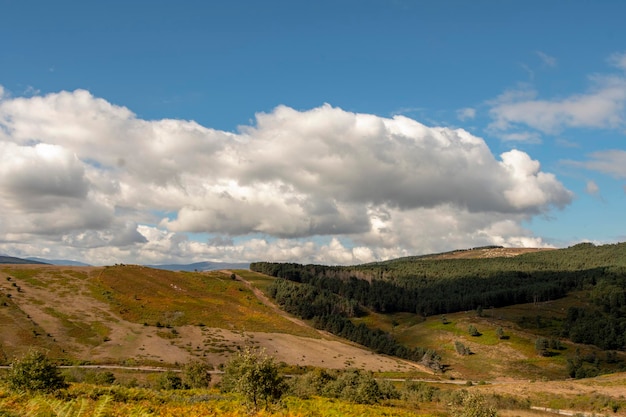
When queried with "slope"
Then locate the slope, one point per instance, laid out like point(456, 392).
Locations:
point(131, 315)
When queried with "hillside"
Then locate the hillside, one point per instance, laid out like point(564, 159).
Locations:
point(138, 315)
point(13, 260)
point(586, 282)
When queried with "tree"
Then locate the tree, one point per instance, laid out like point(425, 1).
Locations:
point(461, 349)
point(473, 404)
point(255, 376)
point(500, 333)
point(541, 346)
point(473, 331)
point(34, 372)
point(197, 375)
point(169, 380)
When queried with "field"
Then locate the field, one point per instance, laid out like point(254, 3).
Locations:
point(137, 317)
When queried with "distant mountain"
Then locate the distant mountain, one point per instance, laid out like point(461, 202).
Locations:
point(63, 262)
point(202, 266)
point(14, 260)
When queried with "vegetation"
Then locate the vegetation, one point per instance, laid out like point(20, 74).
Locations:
point(332, 313)
point(197, 375)
point(34, 372)
point(352, 385)
point(443, 286)
point(255, 376)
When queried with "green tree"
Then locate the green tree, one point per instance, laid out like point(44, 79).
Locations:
point(473, 404)
point(255, 376)
point(197, 375)
point(541, 346)
point(461, 349)
point(34, 372)
point(500, 333)
point(356, 386)
point(473, 331)
point(169, 380)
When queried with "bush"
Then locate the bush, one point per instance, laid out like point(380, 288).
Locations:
point(197, 375)
point(169, 380)
point(500, 333)
point(34, 373)
point(255, 376)
point(417, 391)
point(541, 346)
point(473, 404)
point(461, 349)
point(356, 386)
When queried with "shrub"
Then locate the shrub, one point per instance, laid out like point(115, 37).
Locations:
point(461, 349)
point(541, 346)
point(34, 373)
point(255, 376)
point(356, 386)
point(473, 404)
point(500, 333)
point(473, 331)
point(197, 375)
point(169, 380)
point(417, 391)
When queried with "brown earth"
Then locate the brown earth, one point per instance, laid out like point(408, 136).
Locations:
point(64, 313)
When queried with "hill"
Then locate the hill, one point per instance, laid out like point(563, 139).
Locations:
point(133, 315)
point(129, 314)
point(587, 281)
point(202, 266)
point(13, 260)
point(62, 262)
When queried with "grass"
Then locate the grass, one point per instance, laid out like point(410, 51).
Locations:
point(88, 400)
point(158, 297)
point(260, 281)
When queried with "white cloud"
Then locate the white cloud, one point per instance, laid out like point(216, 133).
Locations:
point(82, 178)
point(528, 137)
point(548, 60)
point(592, 188)
point(611, 162)
point(618, 60)
point(601, 106)
point(466, 113)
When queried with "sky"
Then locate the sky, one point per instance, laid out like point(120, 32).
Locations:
point(332, 132)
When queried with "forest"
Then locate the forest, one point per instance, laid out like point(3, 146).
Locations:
point(429, 287)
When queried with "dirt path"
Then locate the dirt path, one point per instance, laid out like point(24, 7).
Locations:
point(268, 303)
point(326, 335)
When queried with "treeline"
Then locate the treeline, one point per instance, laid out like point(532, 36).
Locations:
point(431, 287)
point(332, 313)
point(605, 325)
point(431, 294)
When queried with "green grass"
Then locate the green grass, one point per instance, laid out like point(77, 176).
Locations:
point(145, 295)
point(260, 281)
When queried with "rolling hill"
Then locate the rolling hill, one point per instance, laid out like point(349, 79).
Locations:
point(132, 315)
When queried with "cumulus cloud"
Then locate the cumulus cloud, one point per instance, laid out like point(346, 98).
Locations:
point(90, 178)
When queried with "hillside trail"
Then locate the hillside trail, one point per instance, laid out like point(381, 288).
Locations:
point(268, 303)
point(325, 335)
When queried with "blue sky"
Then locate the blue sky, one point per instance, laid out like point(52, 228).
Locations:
point(328, 132)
